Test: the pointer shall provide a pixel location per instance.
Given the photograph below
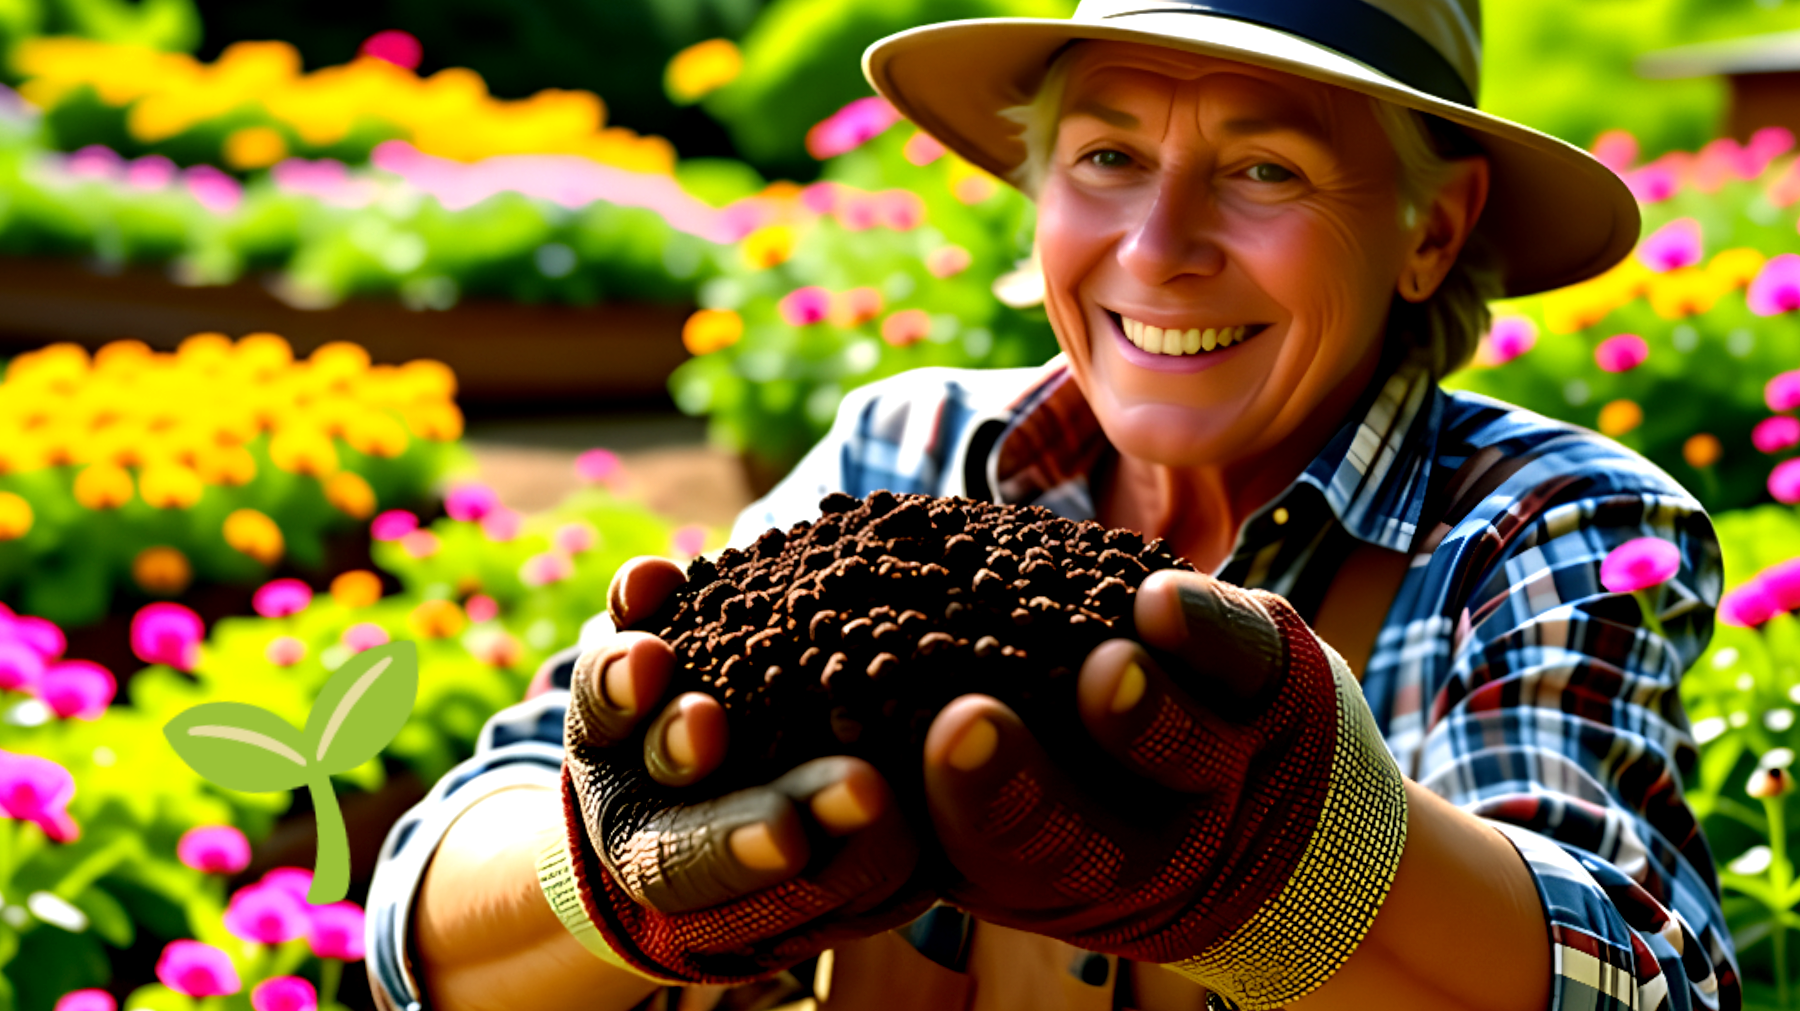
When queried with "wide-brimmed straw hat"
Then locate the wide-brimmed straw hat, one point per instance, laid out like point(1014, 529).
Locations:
point(1555, 214)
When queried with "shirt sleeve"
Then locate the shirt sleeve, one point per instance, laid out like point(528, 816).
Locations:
point(1558, 717)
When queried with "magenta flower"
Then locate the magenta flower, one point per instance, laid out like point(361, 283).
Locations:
point(79, 689)
point(1783, 392)
point(337, 931)
point(213, 189)
point(481, 607)
point(38, 790)
point(1748, 606)
point(266, 915)
point(1782, 582)
point(1674, 245)
point(597, 466)
point(285, 651)
point(1653, 183)
point(468, 503)
point(420, 544)
point(502, 525)
point(1772, 435)
point(1776, 288)
point(393, 525)
point(39, 634)
point(168, 633)
point(575, 537)
point(284, 993)
point(1621, 353)
point(365, 635)
point(86, 1000)
point(1510, 337)
point(198, 970)
point(689, 540)
point(295, 881)
point(400, 48)
point(214, 849)
point(1784, 482)
point(546, 568)
point(1769, 143)
point(850, 127)
point(151, 172)
point(20, 667)
point(805, 306)
point(279, 598)
point(1639, 564)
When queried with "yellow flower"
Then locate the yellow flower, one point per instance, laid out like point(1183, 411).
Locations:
point(103, 486)
point(123, 357)
point(1620, 416)
point(15, 516)
point(1735, 268)
point(376, 433)
point(1703, 450)
point(338, 362)
point(436, 619)
point(230, 466)
point(254, 147)
point(438, 422)
point(20, 451)
point(332, 415)
point(429, 379)
point(356, 588)
point(170, 486)
point(264, 354)
point(204, 353)
point(349, 494)
point(254, 534)
point(301, 449)
point(702, 68)
point(768, 247)
point(161, 571)
point(1678, 294)
point(711, 330)
point(62, 367)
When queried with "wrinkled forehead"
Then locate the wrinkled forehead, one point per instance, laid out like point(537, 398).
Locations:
point(1128, 77)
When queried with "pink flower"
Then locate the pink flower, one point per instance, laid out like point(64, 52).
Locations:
point(198, 970)
point(470, 502)
point(393, 525)
point(279, 598)
point(901, 210)
point(420, 544)
point(1783, 392)
point(689, 540)
point(1616, 149)
point(1769, 143)
point(1510, 337)
point(1674, 245)
point(1621, 353)
point(501, 525)
point(1772, 435)
point(213, 189)
point(922, 149)
point(365, 635)
point(850, 127)
point(38, 790)
point(168, 633)
point(805, 306)
point(284, 993)
point(285, 651)
point(266, 915)
point(295, 881)
point(1748, 606)
point(86, 1000)
point(214, 849)
point(80, 689)
point(1784, 482)
point(575, 537)
point(947, 261)
point(38, 634)
point(820, 198)
point(546, 568)
point(337, 931)
point(1639, 564)
point(20, 667)
point(1776, 288)
point(857, 211)
point(401, 49)
point(498, 649)
point(1653, 183)
point(95, 161)
point(1782, 582)
point(597, 466)
point(481, 607)
point(151, 172)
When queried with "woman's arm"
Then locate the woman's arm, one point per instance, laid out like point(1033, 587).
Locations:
point(486, 937)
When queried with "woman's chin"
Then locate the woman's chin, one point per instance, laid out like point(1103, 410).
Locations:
point(1174, 435)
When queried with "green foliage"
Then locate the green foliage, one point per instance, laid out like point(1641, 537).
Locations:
point(172, 25)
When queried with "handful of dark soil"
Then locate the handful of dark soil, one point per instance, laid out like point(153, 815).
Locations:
point(848, 635)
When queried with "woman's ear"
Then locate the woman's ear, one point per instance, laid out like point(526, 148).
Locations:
point(1438, 239)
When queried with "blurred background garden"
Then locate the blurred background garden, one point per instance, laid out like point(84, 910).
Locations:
point(329, 324)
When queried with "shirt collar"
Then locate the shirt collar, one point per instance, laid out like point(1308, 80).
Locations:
point(1373, 474)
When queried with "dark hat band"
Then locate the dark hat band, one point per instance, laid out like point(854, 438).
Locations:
point(1360, 31)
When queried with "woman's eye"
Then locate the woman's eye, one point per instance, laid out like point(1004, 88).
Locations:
point(1109, 159)
point(1269, 172)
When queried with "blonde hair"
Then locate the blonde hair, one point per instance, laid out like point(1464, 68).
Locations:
point(1440, 333)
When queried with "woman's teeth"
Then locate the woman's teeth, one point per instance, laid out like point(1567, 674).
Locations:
point(1172, 341)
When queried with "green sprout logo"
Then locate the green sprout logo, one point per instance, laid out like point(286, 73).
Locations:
point(243, 747)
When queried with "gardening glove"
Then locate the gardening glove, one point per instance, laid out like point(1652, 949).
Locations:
point(1253, 823)
point(714, 891)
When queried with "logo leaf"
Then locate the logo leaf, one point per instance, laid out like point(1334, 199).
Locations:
point(240, 747)
point(362, 707)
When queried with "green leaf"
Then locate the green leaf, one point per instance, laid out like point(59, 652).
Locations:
point(107, 916)
point(239, 746)
point(362, 707)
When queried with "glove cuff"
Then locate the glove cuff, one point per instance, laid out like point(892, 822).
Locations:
point(1310, 927)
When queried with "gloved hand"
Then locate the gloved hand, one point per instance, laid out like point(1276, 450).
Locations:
point(714, 891)
point(1265, 818)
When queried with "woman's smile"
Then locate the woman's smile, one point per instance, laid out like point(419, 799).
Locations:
point(1174, 347)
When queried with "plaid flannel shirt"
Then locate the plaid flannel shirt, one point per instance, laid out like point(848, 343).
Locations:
point(1505, 678)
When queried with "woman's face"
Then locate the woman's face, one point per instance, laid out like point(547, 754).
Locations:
point(1197, 201)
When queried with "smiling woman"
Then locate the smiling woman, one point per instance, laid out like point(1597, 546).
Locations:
point(1395, 744)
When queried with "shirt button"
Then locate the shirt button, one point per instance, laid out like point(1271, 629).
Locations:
point(1280, 516)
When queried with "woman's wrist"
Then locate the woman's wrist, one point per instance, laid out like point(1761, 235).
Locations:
point(486, 936)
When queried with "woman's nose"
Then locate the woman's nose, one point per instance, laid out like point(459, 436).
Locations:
point(1177, 233)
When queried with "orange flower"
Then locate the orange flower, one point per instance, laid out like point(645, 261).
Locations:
point(908, 326)
point(231, 466)
point(768, 247)
point(103, 486)
point(701, 69)
point(170, 486)
point(436, 619)
point(300, 449)
point(855, 307)
point(1703, 450)
point(376, 433)
point(947, 261)
point(349, 494)
point(1620, 416)
point(254, 534)
point(264, 354)
point(356, 588)
point(161, 571)
point(430, 378)
point(15, 516)
point(438, 422)
point(254, 147)
point(123, 357)
point(711, 330)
